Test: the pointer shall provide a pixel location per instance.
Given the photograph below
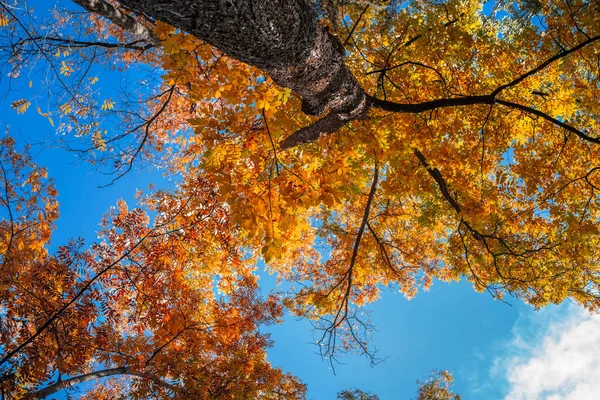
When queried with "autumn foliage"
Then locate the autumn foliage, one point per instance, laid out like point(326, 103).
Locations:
point(142, 301)
point(478, 160)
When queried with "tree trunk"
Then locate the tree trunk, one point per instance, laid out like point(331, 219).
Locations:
point(281, 37)
point(119, 18)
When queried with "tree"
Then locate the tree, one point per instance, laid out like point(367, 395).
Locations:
point(454, 162)
point(356, 394)
point(437, 387)
point(414, 142)
point(140, 303)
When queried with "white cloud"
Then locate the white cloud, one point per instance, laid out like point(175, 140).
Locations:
point(561, 361)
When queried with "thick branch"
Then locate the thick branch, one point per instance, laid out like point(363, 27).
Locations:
point(430, 105)
point(313, 132)
point(119, 18)
point(439, 179)
point(332, 122)
point(328, 124)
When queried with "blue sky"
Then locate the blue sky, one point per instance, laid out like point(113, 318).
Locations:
point(495, 351)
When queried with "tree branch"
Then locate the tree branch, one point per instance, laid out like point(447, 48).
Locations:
point(133, 45)
point(328, 124)
point(119, 18)
point(545, 116)
point(342, 311)
point(332, 122)
point(543, 65)
point(88, 284)
point(439, 179)
point(430, 105)
point(125, 370)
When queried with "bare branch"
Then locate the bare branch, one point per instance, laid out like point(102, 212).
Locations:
point(342, 313)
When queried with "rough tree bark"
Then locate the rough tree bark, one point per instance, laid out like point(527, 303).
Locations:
point(120, 19)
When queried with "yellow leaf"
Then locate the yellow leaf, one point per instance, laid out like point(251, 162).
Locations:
point(20, 105)
point(3, 20)
point(65, 69)
point(263, 104)
point(98, 141)
point(108, 104)
point(65, 108)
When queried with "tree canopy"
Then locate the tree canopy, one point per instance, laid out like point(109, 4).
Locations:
point(352, 146)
